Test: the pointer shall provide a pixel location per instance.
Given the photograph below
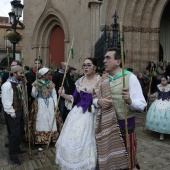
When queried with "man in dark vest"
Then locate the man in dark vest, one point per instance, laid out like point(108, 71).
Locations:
point(4, 79)
point(31, 77)
point(13, 107)
point(71, 80)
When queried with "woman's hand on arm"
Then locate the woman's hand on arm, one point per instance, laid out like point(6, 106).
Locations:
point(105, 103)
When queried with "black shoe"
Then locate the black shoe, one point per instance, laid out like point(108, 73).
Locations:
point(15, 161)
point(6, 145)
point(21, 152)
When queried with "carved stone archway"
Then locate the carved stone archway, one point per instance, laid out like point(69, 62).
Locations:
point(49, 19)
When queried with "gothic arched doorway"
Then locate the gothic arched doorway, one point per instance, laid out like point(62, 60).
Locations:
point(165, 34)
point(56, 47)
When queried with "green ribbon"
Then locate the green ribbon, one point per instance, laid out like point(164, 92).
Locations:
point(72, 53)
point(39, 59)
point(112, 79)
point(146, 76)
point(26, 71)
point(41, 83)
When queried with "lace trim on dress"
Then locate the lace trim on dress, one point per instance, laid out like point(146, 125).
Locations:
point(68, 166)
point(164, 88)
point(69, 104)
point(86, 90)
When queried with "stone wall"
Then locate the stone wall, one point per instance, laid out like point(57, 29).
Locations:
point(82, 19)
point(141, 20)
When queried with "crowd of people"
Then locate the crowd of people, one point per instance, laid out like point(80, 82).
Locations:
point(84, 114)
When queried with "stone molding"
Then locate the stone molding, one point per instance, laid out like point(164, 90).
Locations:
point(140, 29)
point(92, 3)
point(134, 29)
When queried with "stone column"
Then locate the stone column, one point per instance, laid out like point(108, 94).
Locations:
point(95, 23)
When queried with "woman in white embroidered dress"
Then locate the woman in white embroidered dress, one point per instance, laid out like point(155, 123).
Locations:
point(43, 112)
point(76, 146)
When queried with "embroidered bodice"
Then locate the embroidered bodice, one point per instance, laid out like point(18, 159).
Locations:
point(82, 95)
point(163, 92)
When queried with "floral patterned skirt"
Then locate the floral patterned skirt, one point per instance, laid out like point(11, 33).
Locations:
point(42, 137)
point(158, 116)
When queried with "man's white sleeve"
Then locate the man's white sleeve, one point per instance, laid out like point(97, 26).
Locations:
point(136, 94)
point(7, 98)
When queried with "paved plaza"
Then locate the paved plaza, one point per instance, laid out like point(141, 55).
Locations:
point(152, 153)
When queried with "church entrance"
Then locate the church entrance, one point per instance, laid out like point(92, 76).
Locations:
point(56, 48)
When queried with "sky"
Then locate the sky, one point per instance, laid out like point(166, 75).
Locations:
point(5, 7)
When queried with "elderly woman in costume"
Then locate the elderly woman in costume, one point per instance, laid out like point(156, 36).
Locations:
point(43, 110)
point(76, 146)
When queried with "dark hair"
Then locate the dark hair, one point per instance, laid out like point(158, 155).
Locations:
point(117, 54)
point(164, 76)
point(18, 62)
point(70, 69)
point(93, 60)
point(38, 60)
point(130, 69)
point(149, 66)
point(26, 67)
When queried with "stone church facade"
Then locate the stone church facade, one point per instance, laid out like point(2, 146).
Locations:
point(51, 25)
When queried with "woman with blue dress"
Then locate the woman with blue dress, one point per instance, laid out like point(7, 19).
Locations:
point(158, 115)
point(76, 146)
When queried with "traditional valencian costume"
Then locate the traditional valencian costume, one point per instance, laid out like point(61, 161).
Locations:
point(13, 101)
point(158, 115)
point(110, 123)
point(43, 111)
point(76, 146)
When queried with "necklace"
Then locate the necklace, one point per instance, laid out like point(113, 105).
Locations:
point(88, 80)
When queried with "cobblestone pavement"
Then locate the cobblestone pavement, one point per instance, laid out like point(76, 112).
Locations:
point(152, 153)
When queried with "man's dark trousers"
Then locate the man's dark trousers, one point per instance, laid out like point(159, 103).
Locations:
point(63, 109)
point(16, 127)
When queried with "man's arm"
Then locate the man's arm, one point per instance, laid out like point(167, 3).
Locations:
point(7, 99)
point(136, 95)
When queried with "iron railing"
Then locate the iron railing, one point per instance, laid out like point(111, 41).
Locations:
point(109, 38)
